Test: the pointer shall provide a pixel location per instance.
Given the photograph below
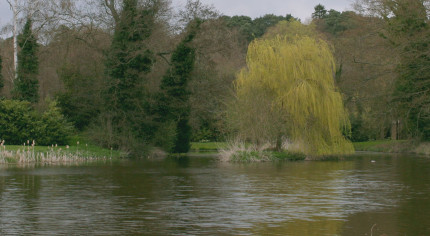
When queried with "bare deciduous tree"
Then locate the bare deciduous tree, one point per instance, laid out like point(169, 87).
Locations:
point(16, 10)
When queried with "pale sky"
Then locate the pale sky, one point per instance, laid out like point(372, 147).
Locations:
point(253, 8)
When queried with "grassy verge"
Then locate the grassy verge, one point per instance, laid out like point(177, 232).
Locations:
point(207, 146)
point(246, 152)
point(393, 146)
point(76, 152)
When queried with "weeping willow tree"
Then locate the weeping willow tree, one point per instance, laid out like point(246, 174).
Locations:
point(288, 90)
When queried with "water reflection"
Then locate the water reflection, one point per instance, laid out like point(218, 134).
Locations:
point(202, 196)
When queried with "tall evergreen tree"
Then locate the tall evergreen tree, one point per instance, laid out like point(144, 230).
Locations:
point(26, 86)
point(173, 103)
point(128, 61)
point(320, 12)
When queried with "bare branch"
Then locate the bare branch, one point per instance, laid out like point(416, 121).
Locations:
point(110, 4)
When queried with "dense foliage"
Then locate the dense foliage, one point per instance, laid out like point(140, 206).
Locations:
point(19, 123)
point(409, 31)
point(294, 75)
point(255, 28)
point(128, 60)
point(27, 84)
point(173, 101)
point(365, 72)
point(80, 102)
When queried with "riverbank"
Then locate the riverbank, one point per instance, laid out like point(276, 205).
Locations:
point(248, 154)
point(394, 146)
point(85, 151)
point(241, 152)
point(77, 152)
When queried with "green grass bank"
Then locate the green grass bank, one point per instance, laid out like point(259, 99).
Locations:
point(394, 146)
point(76, 151)
point(207, 146)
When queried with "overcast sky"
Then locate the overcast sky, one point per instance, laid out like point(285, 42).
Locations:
point(253, 8)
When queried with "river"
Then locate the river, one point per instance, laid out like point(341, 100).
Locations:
point(366, 194)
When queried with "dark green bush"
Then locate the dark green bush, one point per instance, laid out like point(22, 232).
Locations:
point(55, 128)
point(165, 136)
point(19, 123)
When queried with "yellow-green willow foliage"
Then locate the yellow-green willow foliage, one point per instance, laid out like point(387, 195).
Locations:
point(293, 77)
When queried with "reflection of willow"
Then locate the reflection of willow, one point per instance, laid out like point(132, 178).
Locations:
point(316, 226)
point(300, 198)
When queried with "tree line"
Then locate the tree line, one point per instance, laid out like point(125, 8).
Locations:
point(129, 77)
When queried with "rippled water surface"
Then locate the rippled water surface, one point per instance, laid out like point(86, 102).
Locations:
point(202, 196)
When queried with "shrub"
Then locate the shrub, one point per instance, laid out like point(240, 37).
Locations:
point(19, 123)
point(237, 151)
point(55, 128)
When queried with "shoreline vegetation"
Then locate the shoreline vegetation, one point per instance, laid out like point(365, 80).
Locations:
point(79, 152)
point(394, 146)
point(239, 152)
point(249, 153)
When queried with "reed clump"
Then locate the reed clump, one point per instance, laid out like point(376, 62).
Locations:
point(26, 154)
point(237, 151)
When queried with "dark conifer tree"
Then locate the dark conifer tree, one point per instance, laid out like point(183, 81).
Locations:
point(128, 60)
point(128, 57)
point(173, 104)
point(26, 86)
point(320, 12)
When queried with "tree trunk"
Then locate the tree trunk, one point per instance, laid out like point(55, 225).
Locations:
point(14, 7)
point(279, 143)
point(395, 129)
point(15, 40)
